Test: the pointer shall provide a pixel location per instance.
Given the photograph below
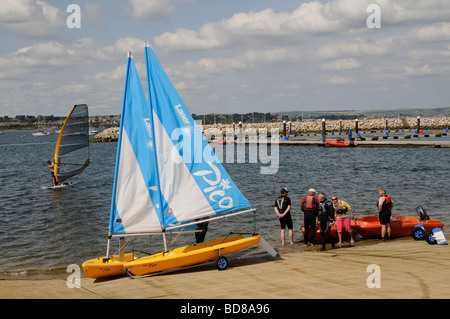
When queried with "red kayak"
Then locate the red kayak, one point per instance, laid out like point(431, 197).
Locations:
point(369, 227)
point(340, 143)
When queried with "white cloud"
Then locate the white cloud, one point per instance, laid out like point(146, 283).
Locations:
point(434, 33)
point(356, 47)
point(337, 79)
point(418, 71)
point(36, 19)
point(310, 18)
point(341, 64)
point(56, 56)
point(151, 9)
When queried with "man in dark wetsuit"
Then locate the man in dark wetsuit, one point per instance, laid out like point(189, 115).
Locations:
point(310, 206)
point(283, 209)
point(326, 219)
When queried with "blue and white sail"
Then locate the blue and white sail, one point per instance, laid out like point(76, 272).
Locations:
point(166, 172)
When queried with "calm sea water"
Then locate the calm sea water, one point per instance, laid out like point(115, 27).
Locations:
point(42, 231)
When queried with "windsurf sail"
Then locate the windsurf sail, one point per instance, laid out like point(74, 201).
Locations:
point(166, 173)
point(72, 147)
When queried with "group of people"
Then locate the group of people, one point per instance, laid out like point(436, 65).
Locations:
point(325, 213)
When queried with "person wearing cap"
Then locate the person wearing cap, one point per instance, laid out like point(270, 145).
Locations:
point(282, 208)
point(310, 207)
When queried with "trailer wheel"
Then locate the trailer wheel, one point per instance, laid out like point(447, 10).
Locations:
point(429, 237)
point(221, 263)
point(418, 233)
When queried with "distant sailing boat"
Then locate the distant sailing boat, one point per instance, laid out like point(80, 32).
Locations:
point(166, 177)
point(41, 132)
point(72, 147)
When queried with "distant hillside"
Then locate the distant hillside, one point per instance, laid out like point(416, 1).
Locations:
point(352, 114)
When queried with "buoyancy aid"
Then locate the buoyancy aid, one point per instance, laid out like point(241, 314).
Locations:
point(326, 211)
point(387, 204)
point(340, 210)
point(310, 203)
point(282, 204)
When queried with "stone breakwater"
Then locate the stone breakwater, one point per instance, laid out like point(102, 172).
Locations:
point(109, 135)
point(298, 127)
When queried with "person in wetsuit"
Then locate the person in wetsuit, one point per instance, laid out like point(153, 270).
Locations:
point(52, 170)
point(385, 205)
point(310, 206)
point(326, 219)
point(282, 208)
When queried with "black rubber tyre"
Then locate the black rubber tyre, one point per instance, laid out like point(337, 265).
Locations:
point(221, 263)
point(418, 233)
point(429, 237)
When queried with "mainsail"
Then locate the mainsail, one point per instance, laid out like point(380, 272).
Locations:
point(166, 172)
point(72, 147)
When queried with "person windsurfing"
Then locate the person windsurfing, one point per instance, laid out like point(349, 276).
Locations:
point(51, 165)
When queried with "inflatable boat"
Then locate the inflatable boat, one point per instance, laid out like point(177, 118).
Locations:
point(340, 143)
point(370, 227)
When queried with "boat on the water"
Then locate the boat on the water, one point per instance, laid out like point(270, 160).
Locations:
point(222, 141)
point(167, 180)
point(340, 143)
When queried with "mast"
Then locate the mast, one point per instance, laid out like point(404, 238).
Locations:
point(146, 44)
point(119, 143)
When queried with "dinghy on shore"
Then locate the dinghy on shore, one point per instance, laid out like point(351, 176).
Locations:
point(401, 226)
point(167, 180)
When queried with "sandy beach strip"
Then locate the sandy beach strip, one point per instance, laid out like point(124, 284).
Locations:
point(400, 268)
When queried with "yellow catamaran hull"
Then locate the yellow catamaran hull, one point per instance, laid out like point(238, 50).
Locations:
point(102, 267)
point(179, 257)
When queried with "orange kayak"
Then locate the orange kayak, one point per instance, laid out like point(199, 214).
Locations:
point(401, 226)
point(369, 227)
point(340, 143)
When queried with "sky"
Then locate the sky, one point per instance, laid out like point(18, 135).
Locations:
point(227, 56)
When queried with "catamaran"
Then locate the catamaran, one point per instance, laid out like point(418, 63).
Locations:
point(167, 178)
point(72, 146)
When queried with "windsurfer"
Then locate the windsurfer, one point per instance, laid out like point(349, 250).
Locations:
point(51, 165)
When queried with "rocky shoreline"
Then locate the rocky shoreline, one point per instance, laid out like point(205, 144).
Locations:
point(315, 126)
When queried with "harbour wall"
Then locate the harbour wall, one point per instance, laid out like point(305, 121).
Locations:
point(314, 126)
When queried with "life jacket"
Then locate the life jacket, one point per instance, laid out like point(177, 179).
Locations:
point(340, 210)
point(387, 204)
point(323, 213)
point(310, 203)
point(282, 204)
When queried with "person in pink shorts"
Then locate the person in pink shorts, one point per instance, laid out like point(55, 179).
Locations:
point(343, 213)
